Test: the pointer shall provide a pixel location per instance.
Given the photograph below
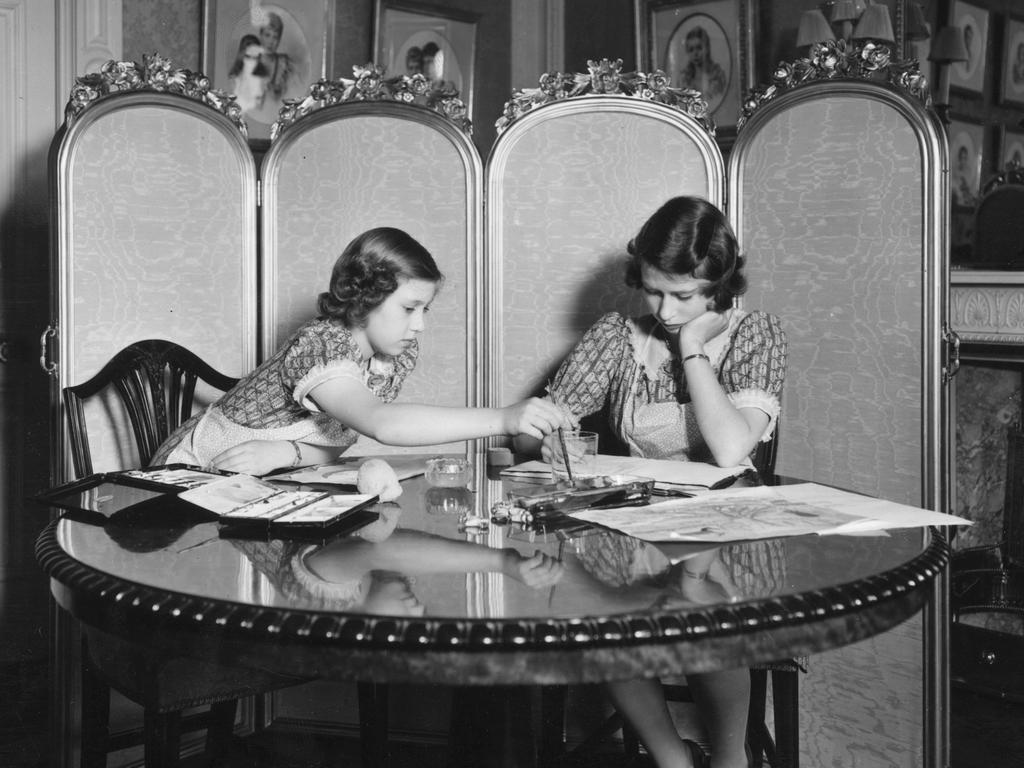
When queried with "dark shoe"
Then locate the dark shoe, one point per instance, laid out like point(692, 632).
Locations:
point(697, 756)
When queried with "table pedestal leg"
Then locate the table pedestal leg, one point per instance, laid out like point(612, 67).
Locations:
point(492, 727)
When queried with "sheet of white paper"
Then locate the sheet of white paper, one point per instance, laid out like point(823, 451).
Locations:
point(885, 515)
point(763, 512)
point(685, 473)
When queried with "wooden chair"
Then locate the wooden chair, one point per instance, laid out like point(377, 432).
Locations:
point(156, 382)
point(998, 228)
point(987, 599)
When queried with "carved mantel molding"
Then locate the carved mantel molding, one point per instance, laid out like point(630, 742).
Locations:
point(987, 307)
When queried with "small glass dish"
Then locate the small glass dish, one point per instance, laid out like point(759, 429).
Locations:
point(448, 472)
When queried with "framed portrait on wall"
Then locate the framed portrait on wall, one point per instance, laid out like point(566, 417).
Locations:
point(966, 150)
point(973, 20)
point(412, 38)
point(706, 45)
point(266, 51)
point(1011, 148)
point(1011, 80)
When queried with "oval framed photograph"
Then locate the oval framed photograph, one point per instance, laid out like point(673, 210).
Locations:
point(966, 140)
point(706, 45)
point(1011, 91)
point(1011, 149)
point(412, 38)
point(973, 21)
point(266, 53)
point(430, 53)
point(699, 56)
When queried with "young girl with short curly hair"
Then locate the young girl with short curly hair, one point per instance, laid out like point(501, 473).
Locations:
point(338, 376)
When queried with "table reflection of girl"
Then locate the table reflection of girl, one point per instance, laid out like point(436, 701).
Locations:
point(695, 380)
point(248, 75)
point(371, 571)
point(724, 574)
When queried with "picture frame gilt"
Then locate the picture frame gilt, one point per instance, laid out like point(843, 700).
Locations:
point(968, 77)
point(265, 52)
point(703, 44)
point(417, 38)
point(966, 158)
point(1011, 148)
point(1011, 80)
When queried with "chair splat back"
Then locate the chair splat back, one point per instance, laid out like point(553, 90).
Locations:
point(156, 382)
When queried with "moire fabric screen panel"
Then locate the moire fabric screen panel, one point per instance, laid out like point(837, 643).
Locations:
point(342, 170)
point(156, 238)
point(568, 185)
point(836, 189)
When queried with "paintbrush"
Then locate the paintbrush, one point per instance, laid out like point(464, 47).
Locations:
point(561, 549)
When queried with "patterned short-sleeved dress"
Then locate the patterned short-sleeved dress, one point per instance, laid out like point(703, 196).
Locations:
point(273, 403)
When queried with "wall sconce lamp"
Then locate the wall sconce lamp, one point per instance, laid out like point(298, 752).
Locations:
point(856, 21)
point(947, 47)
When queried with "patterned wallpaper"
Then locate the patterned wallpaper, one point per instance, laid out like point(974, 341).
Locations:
point(172, 29)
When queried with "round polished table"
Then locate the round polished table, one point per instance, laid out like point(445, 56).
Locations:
point(416, 597)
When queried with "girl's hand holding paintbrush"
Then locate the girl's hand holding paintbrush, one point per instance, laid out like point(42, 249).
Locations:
point(554, 449)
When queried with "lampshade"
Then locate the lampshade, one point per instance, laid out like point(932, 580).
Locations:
point(846, 10)
point(917, 27)
point(875, 24)
point(948, 46)
point(814, 28)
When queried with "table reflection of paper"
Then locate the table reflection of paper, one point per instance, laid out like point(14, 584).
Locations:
point(346, 471)
point(683, 473)
point(764, 512)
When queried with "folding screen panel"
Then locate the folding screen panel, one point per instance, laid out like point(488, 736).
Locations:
point(839, 197)
point(154, 230)
point(153, 236)
point(838, 201)
point(346, 168)
point(569, 183)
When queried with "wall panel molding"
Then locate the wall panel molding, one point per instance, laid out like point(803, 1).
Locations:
point(90, 35)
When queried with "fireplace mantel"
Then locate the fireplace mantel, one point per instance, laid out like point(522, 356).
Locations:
point(987, 309)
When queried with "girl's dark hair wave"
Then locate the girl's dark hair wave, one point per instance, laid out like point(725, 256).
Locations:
point(690, 236)
point(370, 269)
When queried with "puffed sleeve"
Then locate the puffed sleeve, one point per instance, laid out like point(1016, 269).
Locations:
point(585, 377)
point(754, 368)
point(315, 355)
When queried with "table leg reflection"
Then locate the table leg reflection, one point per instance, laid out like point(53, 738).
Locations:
point(492, 727)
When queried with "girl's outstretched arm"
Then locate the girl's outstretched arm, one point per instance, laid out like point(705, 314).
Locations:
point(348, 401)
